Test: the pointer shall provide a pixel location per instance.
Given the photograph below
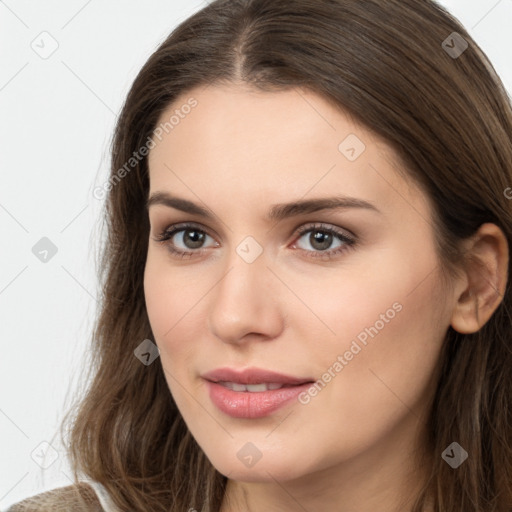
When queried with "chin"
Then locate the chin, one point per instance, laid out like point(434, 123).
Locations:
point(270, 466)
point(261, 472)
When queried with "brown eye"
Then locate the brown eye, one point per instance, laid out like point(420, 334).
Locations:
point(192, 238)
point(323, 241)
point(184, 239)
point(320, 240)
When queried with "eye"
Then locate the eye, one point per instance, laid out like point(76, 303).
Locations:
point(320, 240)
point(184, 239)
point(323, 241)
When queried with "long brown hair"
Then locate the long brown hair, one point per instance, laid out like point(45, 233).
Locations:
point(449, 119)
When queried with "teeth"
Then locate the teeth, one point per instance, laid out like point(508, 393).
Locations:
point(251, 388)
point(254, 388)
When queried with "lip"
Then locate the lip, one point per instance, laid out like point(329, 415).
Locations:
point(251, 405)
point(253, 376)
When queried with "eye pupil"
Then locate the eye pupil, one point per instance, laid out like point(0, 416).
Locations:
point(322, 238)
point(193, 239)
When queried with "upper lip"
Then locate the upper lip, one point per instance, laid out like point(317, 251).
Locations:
point(252, 376)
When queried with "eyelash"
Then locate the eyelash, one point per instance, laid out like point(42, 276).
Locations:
point(348, 241)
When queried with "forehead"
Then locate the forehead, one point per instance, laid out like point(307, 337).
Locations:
point(238, 122)
point(256, 147)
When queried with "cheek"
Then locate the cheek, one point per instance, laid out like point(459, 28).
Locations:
point(374, 295)
point(173, 297)
point(391, 377)
point(390, 322)
point(166, 291)
point(161, 296)
point(169, 304)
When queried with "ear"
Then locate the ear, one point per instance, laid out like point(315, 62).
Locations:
point(485, 279)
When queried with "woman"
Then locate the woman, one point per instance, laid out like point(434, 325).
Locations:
point(305, 274)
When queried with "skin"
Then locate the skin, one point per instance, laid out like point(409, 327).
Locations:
point(356, 443)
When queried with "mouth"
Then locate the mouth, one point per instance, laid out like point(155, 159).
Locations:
point(253, 376)
point(253, 388)
point(252, 393)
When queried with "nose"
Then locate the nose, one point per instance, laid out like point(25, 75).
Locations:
point(245, 304)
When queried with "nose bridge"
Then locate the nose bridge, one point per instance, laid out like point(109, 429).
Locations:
point(241, 286)
point(243, 302)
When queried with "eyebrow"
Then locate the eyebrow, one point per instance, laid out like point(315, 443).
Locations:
point(276, 213)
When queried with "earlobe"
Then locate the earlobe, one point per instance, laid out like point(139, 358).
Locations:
point(486, 275)
point(466, 318)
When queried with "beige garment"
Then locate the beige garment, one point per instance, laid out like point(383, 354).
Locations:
point(84, 497)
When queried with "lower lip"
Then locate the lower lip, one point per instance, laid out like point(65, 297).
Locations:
point(244, 404)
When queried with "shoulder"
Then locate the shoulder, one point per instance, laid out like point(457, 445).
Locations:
point(80, 498)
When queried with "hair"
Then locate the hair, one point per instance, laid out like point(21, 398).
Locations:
point(448, 119)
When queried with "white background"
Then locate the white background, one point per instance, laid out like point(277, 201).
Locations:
point(57, 120)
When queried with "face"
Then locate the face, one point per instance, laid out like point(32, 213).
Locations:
point(295, 292)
